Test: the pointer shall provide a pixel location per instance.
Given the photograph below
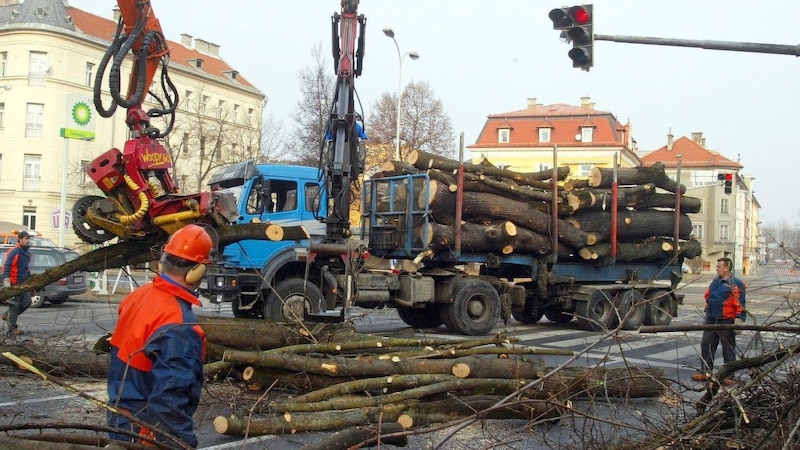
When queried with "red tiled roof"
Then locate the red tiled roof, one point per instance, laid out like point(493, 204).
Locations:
point(692, 155)
point(565, 120)
point(104, 29)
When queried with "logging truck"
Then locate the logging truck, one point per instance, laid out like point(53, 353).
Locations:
point(467, 276)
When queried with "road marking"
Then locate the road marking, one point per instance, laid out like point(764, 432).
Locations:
point(49, 399)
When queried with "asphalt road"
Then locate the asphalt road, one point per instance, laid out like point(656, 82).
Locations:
point(24, 397)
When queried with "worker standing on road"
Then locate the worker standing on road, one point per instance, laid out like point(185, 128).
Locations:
point(157, 347)
point(16, 269)
point(725, 302)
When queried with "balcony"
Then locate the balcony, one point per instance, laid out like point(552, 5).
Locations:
point(33, 130)
point(31, 184)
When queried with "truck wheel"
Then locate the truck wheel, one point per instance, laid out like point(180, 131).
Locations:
point(529, 314)
point(251, 313)
point(658, 307)
point(287, 300)
point(558, 316)
point(631, 303)
point(420, 318)
point(475, 309)
point(598, 312)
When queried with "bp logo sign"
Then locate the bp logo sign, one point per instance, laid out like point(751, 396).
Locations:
point(79, 118)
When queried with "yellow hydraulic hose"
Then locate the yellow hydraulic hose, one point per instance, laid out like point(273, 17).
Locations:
point(143, 206)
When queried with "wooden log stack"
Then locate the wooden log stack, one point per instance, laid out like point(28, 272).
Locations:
point(508, 212)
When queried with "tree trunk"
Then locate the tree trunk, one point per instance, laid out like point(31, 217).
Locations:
point(641, 251)
point(442, 203)
point(263, 335)
point(602, 177)
point(631, 224)
point(689, 205)
point(475, 238)
point(582, 199)
point(424, 161)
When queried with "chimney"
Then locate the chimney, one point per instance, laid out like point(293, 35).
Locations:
point(213, 50)
point(697, 137)
point(532, 102)
point(186, 40)
point(670, 138)
point(201, 46)
point(116, 13)
point(586, 102)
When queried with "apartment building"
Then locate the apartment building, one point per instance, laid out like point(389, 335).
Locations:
point(49, 56)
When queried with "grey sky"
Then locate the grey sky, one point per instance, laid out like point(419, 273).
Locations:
point(483, 58)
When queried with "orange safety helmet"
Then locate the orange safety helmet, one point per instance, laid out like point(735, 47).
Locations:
point(191, 243)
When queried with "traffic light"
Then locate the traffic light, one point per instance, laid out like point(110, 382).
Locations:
point(576, 23)
point(727, 181)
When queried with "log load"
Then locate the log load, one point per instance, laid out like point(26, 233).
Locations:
point(508, 212)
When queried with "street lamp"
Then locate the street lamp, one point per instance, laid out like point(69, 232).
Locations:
point(7, 87)
point(413, 55)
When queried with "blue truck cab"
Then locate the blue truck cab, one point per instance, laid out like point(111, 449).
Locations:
point(285, 195)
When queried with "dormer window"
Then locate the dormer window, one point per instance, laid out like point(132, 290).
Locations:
point(197, 63)
point(231, 73)
point(503, 135)
point(544, 134)
point(586, 134)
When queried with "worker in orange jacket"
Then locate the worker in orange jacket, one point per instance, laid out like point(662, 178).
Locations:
point(725, 301)
point(158, 348)
point(16, 269)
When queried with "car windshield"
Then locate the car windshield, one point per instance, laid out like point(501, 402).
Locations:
point(42, 242)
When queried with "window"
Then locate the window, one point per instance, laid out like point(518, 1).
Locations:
point(235, 117)
point(187, 100)
point(220, 108)
point(584, 169)
point(218, 150)
point(312, 197)
point(2, 114)
point(89, 74)
point(586, 134)
point(723, 206)
point(3, 63)
point(503, 135)
point(29, 217)
point(272, 197)
point(543, 167)
point(250, 112)
point(32, 172)
point(84, 165)
point(544, 134)
point(34, 120)
point(723, 232)
point(697, 230)
point(185, 143)
point(204, 104)
point(202, 146)
point(703, 177)
point(37, 68)
point(1, 166)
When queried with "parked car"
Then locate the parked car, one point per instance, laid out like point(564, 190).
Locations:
point(43, 258)
point(36, 239)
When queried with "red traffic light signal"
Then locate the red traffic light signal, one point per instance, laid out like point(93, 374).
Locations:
point(727, 181)
point(576, 23)
point(564, 18)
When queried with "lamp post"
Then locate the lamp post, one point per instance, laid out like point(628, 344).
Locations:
point(413, 55)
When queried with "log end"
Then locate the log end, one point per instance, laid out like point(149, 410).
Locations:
point(405, 421)
point(461, 370)
point(510, 228)
point(221, 424)
point(274, 232)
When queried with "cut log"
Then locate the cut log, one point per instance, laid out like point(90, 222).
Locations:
point(479, 205)
point(352, 437)
point(527, 242)
point(631, 224)
point(652, 249)
point(475, 238)
point(689, 205)
point(582, 199)
point(602, 177)
point(424, 161)
point(262, 335)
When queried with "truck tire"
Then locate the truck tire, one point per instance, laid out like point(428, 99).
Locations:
point(252, 313)
point(286, 300)
point(558, 316)
point(658, 307)
point(631, 303)
point(598, 312)
point(475, 309)
point(528, 315)
point(420, 317)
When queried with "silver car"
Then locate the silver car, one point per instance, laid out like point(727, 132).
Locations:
point(43, 258)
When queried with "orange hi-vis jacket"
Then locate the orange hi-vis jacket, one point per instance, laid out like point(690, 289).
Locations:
point(157, 353)
point(725, 299)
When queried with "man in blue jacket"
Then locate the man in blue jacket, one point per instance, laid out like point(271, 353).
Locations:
point(157, 348)
point(725, 302)
point(16, 269)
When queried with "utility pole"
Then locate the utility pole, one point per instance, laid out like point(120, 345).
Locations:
point(750, 47)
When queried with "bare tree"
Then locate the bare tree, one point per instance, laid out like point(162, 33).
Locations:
point(312, 111)
point(424, 122)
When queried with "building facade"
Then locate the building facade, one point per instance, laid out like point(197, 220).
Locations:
point(727, 224)
point(49, 56)
point(581, 136)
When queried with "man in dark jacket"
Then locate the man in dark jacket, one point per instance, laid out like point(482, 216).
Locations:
point(16, 269)
point(725, 301)
point(157, 348)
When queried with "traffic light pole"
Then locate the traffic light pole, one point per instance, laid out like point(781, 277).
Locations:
point(750, 47)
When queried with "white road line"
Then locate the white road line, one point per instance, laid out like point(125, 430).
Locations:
point(49, 399)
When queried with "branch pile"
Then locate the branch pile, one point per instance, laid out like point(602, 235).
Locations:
point(346, 379)
point(510, 212)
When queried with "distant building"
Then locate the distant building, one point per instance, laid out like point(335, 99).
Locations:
point(727, 224)
point(524, 140)
point(49, 56)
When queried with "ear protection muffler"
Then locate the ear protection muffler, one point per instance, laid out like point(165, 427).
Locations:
point(195, 274)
